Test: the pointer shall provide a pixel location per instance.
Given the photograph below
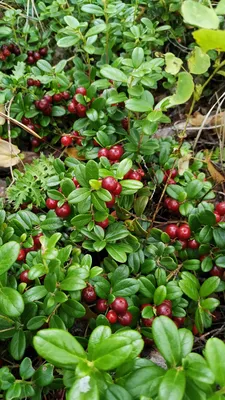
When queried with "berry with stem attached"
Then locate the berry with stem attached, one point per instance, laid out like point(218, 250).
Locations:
point(63, 211)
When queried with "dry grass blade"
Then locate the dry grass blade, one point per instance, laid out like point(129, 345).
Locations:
point(14, 121)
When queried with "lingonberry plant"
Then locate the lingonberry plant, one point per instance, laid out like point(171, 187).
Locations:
point(112, 236)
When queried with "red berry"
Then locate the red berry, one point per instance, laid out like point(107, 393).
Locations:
point(171, 182)
point(31, 126)
point(164, 309)
point(111, 317)
point(135, 175)
point(48, 110)
point(81, 110)
point(95, 143)
point(184, 232)
point(184, 244)
point(43, 104)
point(103, 224)
point(24, 276)
point(115, 153)
point(173, 205)
point(172, 230)
point(118, 189)
point(220, 208)
point(76, 134)
point(37, 55)
point(124, 123)
point(30, 60)
point(101, 305)
point(89, 295)
point(63, 211)
point(81, 90)
point(103, 153)
point(37, 83)
point(125, 319)
point(148, 342)
point(25, 121)
point(30, 53)
point(217, 271)
point(193, 244)
point(35, 141)
point(16, 50)
point(111, 203)
point(201, 258)
point(6, 52)
point(109, 183)
point(48, 98)
point(75, 181)
point(72, 108)
point(36, 240)
point(195, 330)
point(173, 173)
point(179, 321)
point(57, 97)
point(65, 95)
point(66, 141)
point(37, 104)
point(218, 217)
point(166, 201)
point(141, 172)
point(148, 321)
point(119, 305)
point(79, 140)
point(30, 82)
point(21, 255)
point(43, 51)
point(51, 204)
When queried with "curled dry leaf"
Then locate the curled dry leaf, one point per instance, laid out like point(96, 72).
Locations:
point(2, 119)
point(8, 154)
point(215, 174)
point(72, 152)
point(183, 163)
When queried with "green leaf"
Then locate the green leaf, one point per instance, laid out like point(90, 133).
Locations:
point(34, 294)
point(98, 335)
point(44, 65)
point(71, 21)
point(166, 338)
point(5, 31)
point(184, 90)
point(125, 287)
point(8, 255)
point(11, 302)
point(160, 295)
point(123, 167)
point(140, 205)
point(113, 73)
point(219, 237)
point(111, 353)
point(58, 111)
point(175, 191)
point(59, 348)
point(206, 234)
point(95, 30)
point(44, 375)
point(173, 64)
point(68, 41)
point(194, 188)
point(138, 105)
point(92, 9)
point(172, 386)
point(84, 388)
point(92, 170)
point(215, 354)
point(78, 195)
point(116, 392)
point(137, 56)
point(209, 286)
point(196, 368)
point(210, 40)
point(207, 217)
point(72, 283)
point(116, 231)
point(81, 220)
point(199, 15)
point(198, 61)
point(220, 8)
point(186, 341)
point(18, 345)
point(144, 381)
point(26, 369)
point(130, 186)
point(189, 289)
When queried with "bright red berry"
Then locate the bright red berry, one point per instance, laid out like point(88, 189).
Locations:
point(75, 181)
point(119, 305)
point(141, 172)
point(218, 217)
point(115, 153)
point(101, 305)
point(63, 211)
point(21, 255)
point(81, 90)
point(125, 319)
point(135, 175)
point(172, 230)
point(103, 224)
point(109, 183)
point(171, 182)
point(81, 110)
point(89, 294)
point(57, 97)
point(43, 104)
point(148, 321)
point(164, 309)
point(24, 276)
point(79, 140)
point(6, 52)
point(111, 317)
point(193, 244)
point(184, 232)
point(220, 208)
point(111, 203)
point(72, 108)
point(173, 205)
point(66, 141)
point(216, 271)
point(51, 204)
point(195, 330)
point(118, 189)
point(103, 153)
point(173, 173)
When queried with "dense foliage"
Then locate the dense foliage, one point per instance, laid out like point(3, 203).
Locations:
point(112, 241)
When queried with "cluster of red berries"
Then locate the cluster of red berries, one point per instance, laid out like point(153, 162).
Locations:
point(33, 82)
point(62, 212)
point(67, 140)
point(136, 175)
point(74, 107)
point(114, 187)
point(219, 211)
point(34, 56)
point(113, 154)
point(217, 271)
point(172, 205)
point(7, 50)
point(182, 232)
point(24, 251)
point(165, 308)
point(29, 123)
point(172, 173)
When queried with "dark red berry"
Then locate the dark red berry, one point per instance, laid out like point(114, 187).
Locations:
point(72, 108)
point(171, 182)
point(218, 217)
point(48, 110)
point(179, 321)
point(75, 181)
point(31, 126)
point(76, 134)
point(81, 90)
point(25, 121)
point(57, 97)
point(101, 305)
point(125, 319)
point(79, 140)
point(65, 95)
point(173, 205)
point(37, 83)
point(37, 104)
point(103, 224)
point(30, 82)
point(51, 204)
point(43, 104)
point(111, 317)
point(148, 321)
point(119, 305)
point(37, 55)
point(6, 52)
point(48, 98)
point(43, 51)
point(103, 153)
point(95, 143)
point(30, 60)
point(30, 53)
point(66, 141)
point(148, 342)
point(118, 189)
point(135, 175)
point(81, 110)
point(63, 211)
point(195, 330)
point(184, 244)
point(111, 203)
point(124, 123)
point(35, 141)
point(166, 201)
point(184, 232)
point(24, 277)
point(21, 255)
point(172, 230)
point(216, 271)
point(220, 208)
point(109, 183)
point(115, 153)
point(164, 309)
point(193, 244)
point(36, 240)
point(89, 295)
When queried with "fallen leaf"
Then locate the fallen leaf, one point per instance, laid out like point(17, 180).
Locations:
point(2, 119)
point(215, 174)
point(72, 152)
point(183, 163)
point(8, 154)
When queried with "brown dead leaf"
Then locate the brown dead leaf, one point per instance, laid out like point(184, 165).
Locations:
point(196, 119)
point(2, 119)
point(8, 154)
point(72, 152)
point(183, 163)
point(215, 174)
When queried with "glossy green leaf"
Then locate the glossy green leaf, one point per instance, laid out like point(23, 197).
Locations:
point(84, 388)
point(111, 353)
point(172, 386)
point(11, 302)
point(199, 15)
point(209, 286)
point(113, 73)
point(209, 39)
point(184, 90)
point(214, 354)
point(8, 255)
point(18, 345)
